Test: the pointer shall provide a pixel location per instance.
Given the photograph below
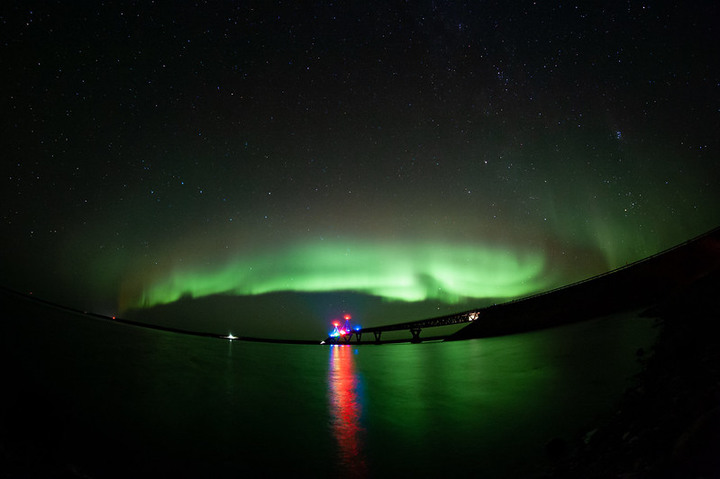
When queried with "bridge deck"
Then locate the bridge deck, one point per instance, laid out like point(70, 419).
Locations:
point(415, 327)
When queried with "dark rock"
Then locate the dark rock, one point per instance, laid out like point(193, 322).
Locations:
point(556, 448)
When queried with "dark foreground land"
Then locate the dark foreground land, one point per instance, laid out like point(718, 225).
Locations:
point(668, 424)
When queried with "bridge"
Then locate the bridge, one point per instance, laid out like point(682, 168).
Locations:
point(414, 327)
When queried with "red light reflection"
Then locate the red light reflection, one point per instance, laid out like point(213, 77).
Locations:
point(346, 410)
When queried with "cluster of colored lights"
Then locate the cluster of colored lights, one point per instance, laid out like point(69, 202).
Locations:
point(343, 329)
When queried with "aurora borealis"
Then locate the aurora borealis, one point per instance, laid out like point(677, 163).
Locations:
point(433, 157)
point(402, 272)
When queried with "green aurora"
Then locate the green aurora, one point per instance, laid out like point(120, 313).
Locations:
point(397, 272)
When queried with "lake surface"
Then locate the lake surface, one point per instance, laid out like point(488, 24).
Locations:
point(111, 400)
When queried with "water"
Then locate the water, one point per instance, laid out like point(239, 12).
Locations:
point(111, 400)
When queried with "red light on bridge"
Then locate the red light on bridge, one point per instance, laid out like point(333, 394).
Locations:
point(347, 317)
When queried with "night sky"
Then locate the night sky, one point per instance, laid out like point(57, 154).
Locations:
point(264, 165)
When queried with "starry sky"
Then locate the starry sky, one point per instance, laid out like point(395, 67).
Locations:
point(277, 163)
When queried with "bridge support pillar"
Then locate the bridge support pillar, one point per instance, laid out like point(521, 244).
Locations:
point(377, 336)
point(415, 334)
point(358, 335)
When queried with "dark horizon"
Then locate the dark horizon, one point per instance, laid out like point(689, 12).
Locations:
point(642, 284)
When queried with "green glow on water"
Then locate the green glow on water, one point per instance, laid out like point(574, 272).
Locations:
point(399, 272)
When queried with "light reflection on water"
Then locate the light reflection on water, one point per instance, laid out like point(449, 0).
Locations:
point(346, 407)
point(205, 408)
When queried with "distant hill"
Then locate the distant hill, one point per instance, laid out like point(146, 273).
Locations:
point(639, 285)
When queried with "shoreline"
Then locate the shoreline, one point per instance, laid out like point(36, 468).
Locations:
point(667, 425)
